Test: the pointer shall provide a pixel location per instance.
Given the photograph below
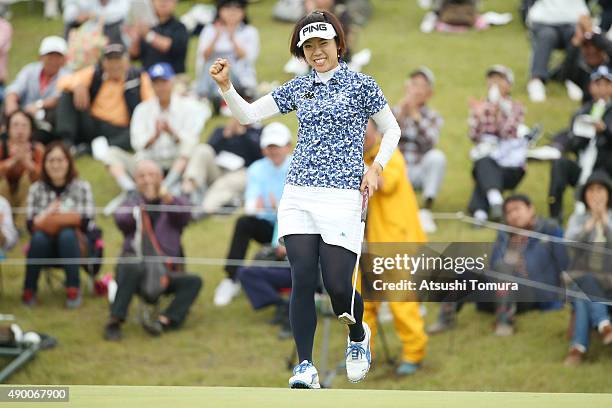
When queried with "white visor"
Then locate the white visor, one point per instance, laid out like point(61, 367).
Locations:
point(320, 30)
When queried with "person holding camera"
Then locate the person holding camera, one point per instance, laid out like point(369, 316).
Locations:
point(167, 225)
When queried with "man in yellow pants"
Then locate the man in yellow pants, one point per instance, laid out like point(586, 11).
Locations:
point(393, 217)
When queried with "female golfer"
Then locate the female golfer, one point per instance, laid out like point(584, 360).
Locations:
point(319, 212)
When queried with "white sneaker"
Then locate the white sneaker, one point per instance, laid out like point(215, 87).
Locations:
point(358, 357)
point(305, 375)
point(424, 4)
point(544, 153)
point(226, 291)
point(429, 22)
point(573, 91)
point(536, 90)
point(427, 221)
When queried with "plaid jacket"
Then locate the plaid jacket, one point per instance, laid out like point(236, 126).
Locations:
point(418, 137)
point(76, 196)
point(504, 124)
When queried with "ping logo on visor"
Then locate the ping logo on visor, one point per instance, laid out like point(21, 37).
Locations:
point(319, 30)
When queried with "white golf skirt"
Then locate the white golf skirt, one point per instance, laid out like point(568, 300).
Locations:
point(333, 213)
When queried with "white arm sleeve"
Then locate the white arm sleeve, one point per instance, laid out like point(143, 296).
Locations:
point(248, 113)
point(388, 126)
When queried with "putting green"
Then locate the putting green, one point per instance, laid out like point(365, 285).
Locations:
point(226, 397)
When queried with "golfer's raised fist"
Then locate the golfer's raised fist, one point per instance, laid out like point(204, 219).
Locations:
point(220, 72)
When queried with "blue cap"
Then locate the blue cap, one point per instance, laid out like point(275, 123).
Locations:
point(161, 70)
point(602, 71)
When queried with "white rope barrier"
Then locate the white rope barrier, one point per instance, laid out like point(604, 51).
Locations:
point(163, 208)
point(460, 216)
point(456, 216)
point(137, 260)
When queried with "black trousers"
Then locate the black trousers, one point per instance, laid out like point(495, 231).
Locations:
point(184, 286)
point(489, 175)
point(247, 228)
point(306, 252)
point(563, 172)
point(75, 127)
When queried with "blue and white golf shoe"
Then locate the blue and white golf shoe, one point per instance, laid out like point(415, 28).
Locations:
point(305, 375)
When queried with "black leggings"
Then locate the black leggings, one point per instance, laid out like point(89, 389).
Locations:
point(337, 263)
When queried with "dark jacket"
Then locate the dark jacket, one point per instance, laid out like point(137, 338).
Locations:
point(177, 53)
point(245, 145)
point(604, 139)
point(168, 226)
point(576, 69)
point(544, 261)
point(132, 87)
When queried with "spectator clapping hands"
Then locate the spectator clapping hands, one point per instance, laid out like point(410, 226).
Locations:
point(599, 213)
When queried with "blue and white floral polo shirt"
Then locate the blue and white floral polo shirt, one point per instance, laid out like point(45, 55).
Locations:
point(332, 122)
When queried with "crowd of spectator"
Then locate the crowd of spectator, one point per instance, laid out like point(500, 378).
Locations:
point(118, 100)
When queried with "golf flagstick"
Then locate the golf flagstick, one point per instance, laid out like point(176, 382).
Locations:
point(345, 317)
